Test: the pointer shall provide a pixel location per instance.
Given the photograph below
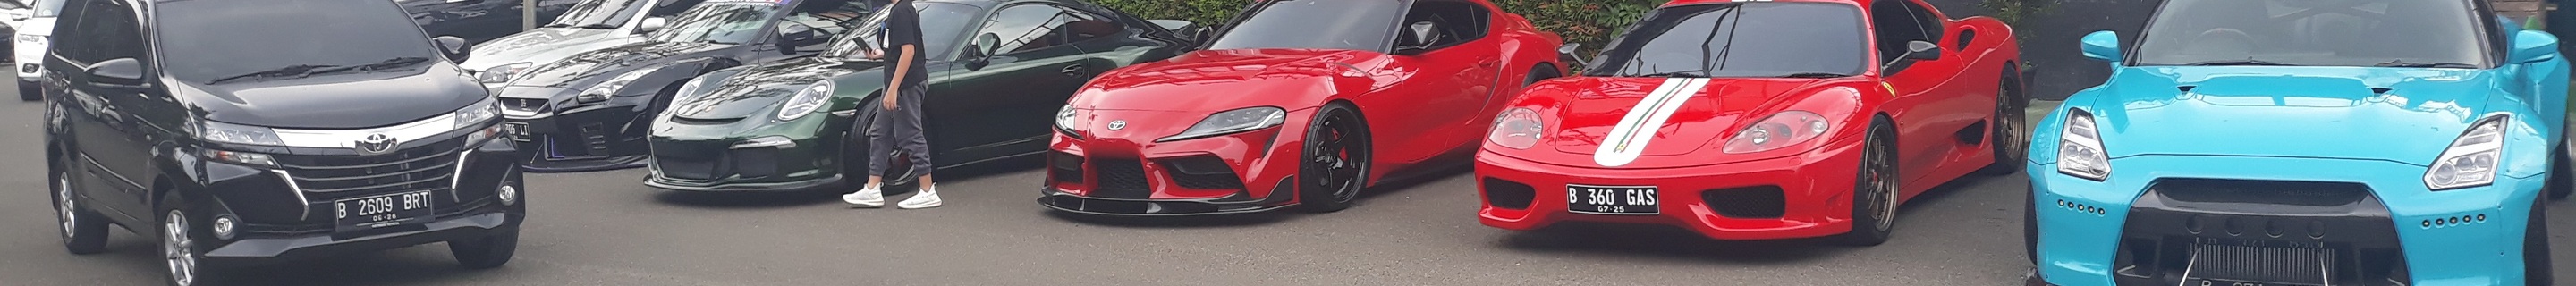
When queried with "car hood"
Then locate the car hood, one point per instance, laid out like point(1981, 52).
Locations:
point(34, 26)
point(1706, 111)
point(332, 102)
point(757, 90)
point(544, 45)
point(1221, 80)
point(584, 69)
point(2401, 115)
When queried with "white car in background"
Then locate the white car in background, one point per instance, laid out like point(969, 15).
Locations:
point(33, 35)
point(588, 26)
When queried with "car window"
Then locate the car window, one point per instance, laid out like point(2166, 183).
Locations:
point(49, 8)
point(1087, 26)
point(941, 25)
point(667, 8)
point(1454, 22)
point(2419, 33)
point(1027, 27)
point(1760, 39)
point(342, 35)
point(1366, 25)
point(108, 31)
point(829, 17)
point(1897, 25)
point(598, 14)
point(726, 22)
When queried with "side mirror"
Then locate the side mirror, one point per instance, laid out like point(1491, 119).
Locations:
point(987, 44)
point(1568, 51)
point(119, 72)
point(651, 25)
point(797, 35)
point(2534, 46)
point(1922, 51)
point(453, 47)
point(2102, 45)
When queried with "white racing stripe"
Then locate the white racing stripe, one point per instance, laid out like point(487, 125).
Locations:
point(1629, 138)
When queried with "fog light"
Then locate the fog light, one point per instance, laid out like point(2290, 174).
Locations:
point(224, 227)
point(509, 195)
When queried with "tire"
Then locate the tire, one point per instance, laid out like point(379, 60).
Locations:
point(27, 91)
point(2562, 174)
point(180, 227)
point(2535, 248)
point(1333, 166)
point(1541, 72)
point(83, 231)
point(2004, 135)
point(486, 252)
point(2030, 225)
point(1875, 189)
point(855, 153)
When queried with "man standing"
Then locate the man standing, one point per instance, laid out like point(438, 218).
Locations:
point(900, 120)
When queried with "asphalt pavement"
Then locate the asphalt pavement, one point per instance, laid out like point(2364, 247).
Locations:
point(605, 228)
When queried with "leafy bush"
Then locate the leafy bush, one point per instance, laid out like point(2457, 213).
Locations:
point(1591, 22)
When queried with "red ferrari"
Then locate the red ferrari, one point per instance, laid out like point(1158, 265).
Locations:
point(1297, 103)
point(1760, 120)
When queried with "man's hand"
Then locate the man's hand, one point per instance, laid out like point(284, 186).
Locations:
point(891, 93)
point(873, 54)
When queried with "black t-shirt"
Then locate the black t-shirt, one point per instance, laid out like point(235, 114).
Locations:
point(904, 28)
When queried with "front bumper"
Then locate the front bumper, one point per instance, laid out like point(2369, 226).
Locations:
point(2290, 221)
point(574, 138)
point(1799, 196)
point(711, 155)
point(285, 216)
point(1126, 173)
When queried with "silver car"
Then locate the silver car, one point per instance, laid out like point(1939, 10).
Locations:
point(590, 25)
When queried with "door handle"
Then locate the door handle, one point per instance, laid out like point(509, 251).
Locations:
point(1072, 70)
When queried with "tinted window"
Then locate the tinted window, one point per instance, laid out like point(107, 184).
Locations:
point(731, 22)
point(109, 31)
point(373, 34)
point(2431, 33)
point(1740, 40)
point(941, 24)
point(49, 8)
point(1027, 27)
point(598, 14)
point(1086, 26)
point(1365, 25)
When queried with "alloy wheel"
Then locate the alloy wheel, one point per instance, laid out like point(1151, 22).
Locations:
point(1881, 185)
point(177, 249)
point(65, 208)
point(1339, 162)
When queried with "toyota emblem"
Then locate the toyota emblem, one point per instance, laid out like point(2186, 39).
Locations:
point(376, 144)
point(1115, 125)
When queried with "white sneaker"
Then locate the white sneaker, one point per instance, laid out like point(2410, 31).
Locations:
point(868, 197)
point(927, 198)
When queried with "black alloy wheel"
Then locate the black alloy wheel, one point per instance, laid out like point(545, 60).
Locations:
point(2005, 136)
point(1335, 165)
point(1874, 196)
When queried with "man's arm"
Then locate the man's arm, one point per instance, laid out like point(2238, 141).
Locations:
point(902, 68)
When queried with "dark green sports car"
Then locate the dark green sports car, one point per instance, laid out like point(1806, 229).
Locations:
point(999, 69)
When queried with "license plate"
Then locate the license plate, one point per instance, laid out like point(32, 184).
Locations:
point(517, 131)
point(383, 211)
point(1610, 200)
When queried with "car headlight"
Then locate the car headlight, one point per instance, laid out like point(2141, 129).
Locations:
point(239, 157)
point(688, 90)
point(1518, 128)
point(2471, 159)
point(1066, 119)
point(480, 115)
point(2079, 148)
point(1778, 131)
point(220, 132)
point(605, 89)
point(1231, 122)
point(502, 73)
point(806, 101)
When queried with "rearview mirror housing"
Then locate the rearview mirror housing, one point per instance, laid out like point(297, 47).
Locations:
point(1922, 51)
point(453, 47)
point(651, 25)
point(2103, 45)
point(2534, 46)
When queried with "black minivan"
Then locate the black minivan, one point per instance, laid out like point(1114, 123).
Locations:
point(239, 132)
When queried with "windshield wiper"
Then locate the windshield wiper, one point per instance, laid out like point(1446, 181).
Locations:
point(2404, 64)
point(556, 25)
point(2243, 62)
point(1814, 75)
point(379, 65)
point(596, 26)
point(293, 70)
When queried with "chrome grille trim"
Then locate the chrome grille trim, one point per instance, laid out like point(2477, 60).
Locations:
point(307, 213)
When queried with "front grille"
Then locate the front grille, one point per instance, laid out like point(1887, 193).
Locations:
point(597, 137)
point(754, 162)
point(1507, 194)
point(2252, 231)
point(1201, 172)
point(524, 104)
point(1754, 202)
point(2278, 265)
point(329, 177)
point(1064, 167)
point(1121, 178)
point(686, 169)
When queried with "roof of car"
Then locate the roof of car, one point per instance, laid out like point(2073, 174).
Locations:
point(1697, 2)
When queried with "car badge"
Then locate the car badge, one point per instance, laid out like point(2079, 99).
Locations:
point(1115, 125)
point(376, 144)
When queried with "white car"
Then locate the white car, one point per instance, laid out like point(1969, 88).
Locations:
point(589, 25)
point(29, 49)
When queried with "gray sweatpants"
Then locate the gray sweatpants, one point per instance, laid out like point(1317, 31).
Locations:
point(899, 130)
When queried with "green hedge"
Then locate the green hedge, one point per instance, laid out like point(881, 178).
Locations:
point(1591, 22)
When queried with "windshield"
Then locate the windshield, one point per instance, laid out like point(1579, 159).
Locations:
point(1367, 25)
point(730, 22)
point(1780, 40)
point(598, 14)
point(941, 24)
point(2392, 33)
point(334, 35)
point(48, 8)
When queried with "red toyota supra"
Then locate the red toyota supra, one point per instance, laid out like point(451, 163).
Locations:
point(1296, 103)
point(1760, 120)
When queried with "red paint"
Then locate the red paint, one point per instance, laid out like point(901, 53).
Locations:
point(1928, 103)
